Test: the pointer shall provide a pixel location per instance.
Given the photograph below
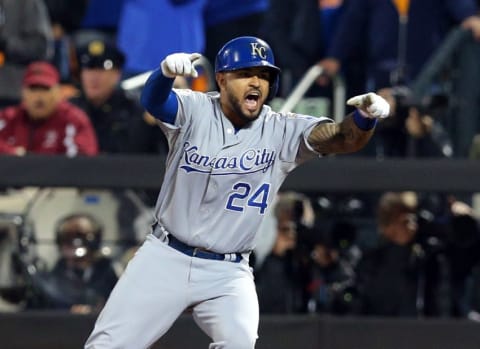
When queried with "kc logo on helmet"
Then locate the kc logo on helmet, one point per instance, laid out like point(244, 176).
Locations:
point(258, 50)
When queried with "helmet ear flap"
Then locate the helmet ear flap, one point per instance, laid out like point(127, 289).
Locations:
point(247, 52)
point(274, 84)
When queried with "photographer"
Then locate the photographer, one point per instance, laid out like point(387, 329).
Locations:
point(82, 277)
point(332, 272)
point(281, 277)
point(462, 240)
point(405, 274)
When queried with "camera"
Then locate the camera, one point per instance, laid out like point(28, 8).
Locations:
point(423, 120)
point(432, 104)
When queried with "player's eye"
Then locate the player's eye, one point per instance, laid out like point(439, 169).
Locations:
point(244, 74)
point(264, 75)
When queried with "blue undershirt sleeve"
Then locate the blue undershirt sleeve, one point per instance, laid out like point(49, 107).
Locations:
point(158, 98)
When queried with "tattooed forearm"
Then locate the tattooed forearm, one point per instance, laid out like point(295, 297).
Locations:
point(344, 137)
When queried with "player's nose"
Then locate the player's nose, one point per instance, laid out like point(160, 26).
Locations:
point(255, 80)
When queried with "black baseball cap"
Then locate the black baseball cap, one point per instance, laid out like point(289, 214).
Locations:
point(100, 54)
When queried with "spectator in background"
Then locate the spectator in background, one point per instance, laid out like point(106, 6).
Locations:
point(377, 28)
point(151, 29)
point(44, 123)
point(82, 278)
point(397, 46)
point(334, 257)
point(121, 124)
point(66, 18)
point(292, 206)
point(226, 19)
point(301, 32)
point(285, 267)
point(402, 276)
point(100, 20)
point(415, 129)
point(25, 36)
point(462, 240)
point(278, 283)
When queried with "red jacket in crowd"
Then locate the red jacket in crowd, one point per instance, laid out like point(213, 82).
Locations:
point(68, 131)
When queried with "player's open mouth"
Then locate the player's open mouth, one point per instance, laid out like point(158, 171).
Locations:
point(251, 100)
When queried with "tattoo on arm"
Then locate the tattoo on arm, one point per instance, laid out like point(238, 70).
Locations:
point(344, 137)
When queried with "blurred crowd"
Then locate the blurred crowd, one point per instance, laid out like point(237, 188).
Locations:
point(94, 46)
point(71, 74)
point(418, 256)
point(404, 254)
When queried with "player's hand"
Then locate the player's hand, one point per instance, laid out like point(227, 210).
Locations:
point(472, 23)
point(371, 105)
point(180, 64)
point(331, 67)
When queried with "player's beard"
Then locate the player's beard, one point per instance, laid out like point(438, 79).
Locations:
point(236, 106)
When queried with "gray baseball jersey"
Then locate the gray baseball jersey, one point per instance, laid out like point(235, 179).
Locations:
point(218, 185)
point(232, 175)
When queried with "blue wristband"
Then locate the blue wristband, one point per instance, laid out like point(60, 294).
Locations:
point(362, 122)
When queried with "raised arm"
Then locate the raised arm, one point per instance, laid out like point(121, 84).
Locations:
point(157, 95)
point(354, 132)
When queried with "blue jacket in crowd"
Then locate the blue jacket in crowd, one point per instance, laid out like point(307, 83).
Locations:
point(149, 30)
point(373, 26)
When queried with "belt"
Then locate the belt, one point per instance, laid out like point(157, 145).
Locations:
point(161, 233)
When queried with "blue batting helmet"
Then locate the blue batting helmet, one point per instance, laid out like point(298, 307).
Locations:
point(247, 52)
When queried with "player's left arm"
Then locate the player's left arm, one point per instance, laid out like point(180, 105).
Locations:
point(354, 132)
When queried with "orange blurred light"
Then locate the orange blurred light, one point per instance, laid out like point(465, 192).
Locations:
point(402, 7)
point(200, 83)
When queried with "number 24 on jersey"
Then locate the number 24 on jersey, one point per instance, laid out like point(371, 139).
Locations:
point(241, 197)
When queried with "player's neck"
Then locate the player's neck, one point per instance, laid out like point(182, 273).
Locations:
point(233, 116)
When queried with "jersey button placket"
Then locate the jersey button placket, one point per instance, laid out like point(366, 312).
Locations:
point(211, 194)
point(231, 137)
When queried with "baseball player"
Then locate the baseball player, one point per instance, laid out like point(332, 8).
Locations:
point(229, 154)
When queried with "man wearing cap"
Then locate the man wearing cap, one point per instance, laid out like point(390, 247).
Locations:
point(43, 122)
point(119, 120)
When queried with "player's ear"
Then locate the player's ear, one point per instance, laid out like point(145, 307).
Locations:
point(220, 79)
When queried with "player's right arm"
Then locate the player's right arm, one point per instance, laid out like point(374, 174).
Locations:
point(157, 96)
point(354, 132)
